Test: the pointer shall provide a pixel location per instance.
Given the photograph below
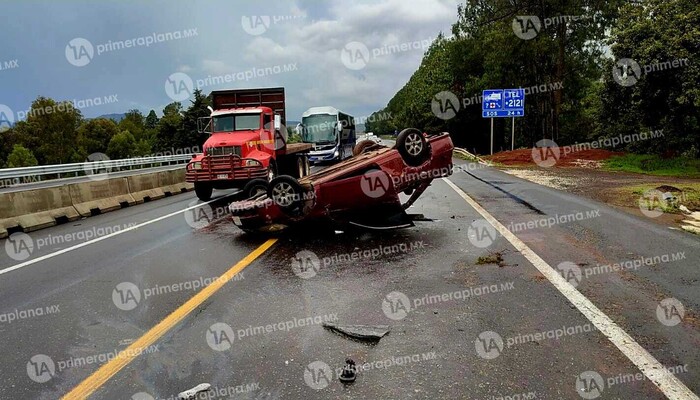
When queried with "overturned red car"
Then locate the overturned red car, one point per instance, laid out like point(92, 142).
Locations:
point(362, 191)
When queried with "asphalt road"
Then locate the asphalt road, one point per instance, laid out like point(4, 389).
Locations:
point(470, 314)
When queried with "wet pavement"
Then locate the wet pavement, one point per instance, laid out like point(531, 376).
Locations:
point(469, 316)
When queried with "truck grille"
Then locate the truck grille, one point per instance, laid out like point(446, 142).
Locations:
point(224, 151)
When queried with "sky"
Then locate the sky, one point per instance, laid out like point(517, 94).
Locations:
point(112, 56)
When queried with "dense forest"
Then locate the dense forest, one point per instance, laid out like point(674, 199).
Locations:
point(56, 133)
point(591, 69)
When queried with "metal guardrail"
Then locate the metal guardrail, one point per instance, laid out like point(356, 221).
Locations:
point(88, 168)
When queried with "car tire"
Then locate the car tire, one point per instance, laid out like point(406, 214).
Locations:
point(203, 190)
point(255, 188)
point(286, 192)
point(361, 147)
point(413, 147)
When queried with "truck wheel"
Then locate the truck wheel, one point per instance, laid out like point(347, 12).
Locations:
point(361, 147)
point(413, 147)
point(255, 188)
point(203, 190)
point(286, 192)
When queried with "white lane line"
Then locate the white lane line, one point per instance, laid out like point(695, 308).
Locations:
point(671, 386)
point(105, 237)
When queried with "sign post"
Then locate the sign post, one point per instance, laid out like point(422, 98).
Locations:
point(500, 103)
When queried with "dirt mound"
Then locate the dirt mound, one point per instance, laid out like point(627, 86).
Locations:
point(567, 157)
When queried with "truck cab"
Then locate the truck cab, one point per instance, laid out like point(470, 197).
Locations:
point(247, 143)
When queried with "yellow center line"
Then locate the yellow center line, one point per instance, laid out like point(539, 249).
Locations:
point(108, 370)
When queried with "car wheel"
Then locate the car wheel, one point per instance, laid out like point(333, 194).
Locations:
point(203, 190)
point(255, 188)
point(361, 147)
point(286, 192)
point(413, 147)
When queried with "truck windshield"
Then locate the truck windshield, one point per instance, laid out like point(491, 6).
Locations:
point(236, 122)
point(319, 128)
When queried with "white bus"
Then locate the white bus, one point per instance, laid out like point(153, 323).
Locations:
point(331, 131)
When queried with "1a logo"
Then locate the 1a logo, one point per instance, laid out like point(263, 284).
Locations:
point(198, 215)
point(571, 272)
point(306, 264)
point(670, 312)
point(526, 27)
point(318, 375)
point(489, 345)
point(590, 385)
point(220, 336)
point(546, 153)
point(445, 105)
point(79, 52)
point(7, 118)
point(396, 306)
point(19, 246)
point(41, 368)
point(355, 55)
point(126, 296)
point(375, 183)
point(255, 25)
point(481, 234)
point(652, 203)
point(179, 86)
point(626, 72)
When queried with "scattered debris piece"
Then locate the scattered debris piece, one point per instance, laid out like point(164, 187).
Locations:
point(684, 209)
point(690, 228)
point(190, 394)
point(361, 332)
point(349, 372)
point(495, 258)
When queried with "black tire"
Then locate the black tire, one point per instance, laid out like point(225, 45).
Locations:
point(203, 190)
point(413, 147)
point(286, 192)
point(255, 188)
point(362, 147)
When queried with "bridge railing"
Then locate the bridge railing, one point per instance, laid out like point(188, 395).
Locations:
point(16, 176)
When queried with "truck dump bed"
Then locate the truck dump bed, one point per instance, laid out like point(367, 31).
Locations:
point(241, 98)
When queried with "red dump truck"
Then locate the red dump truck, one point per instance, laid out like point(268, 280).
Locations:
point(247, 146)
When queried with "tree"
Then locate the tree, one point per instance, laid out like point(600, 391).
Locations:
point(133, 122)
point(168, 126)
point(54, 125)
point(21, 157)
point(188, 135)
point(661, 37)
point(94, 135)
point(122, 145)
point(151, 120)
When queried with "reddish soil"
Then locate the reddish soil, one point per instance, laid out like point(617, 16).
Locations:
point(566, 159)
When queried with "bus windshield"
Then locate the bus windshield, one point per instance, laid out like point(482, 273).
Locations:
point(319, 128)
point(236, 122)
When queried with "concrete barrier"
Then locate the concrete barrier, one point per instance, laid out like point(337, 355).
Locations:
point(144, 187)
point(107, 195)
point(173, 182)
point(31, 210)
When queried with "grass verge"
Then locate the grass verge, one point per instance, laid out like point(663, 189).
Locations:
point(682, 167)
point(687, 194)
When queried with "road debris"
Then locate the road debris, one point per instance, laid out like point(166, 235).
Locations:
point(349, 372)
point(362, 332)
point(191, 393)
